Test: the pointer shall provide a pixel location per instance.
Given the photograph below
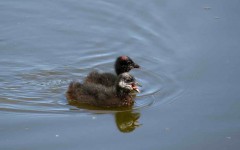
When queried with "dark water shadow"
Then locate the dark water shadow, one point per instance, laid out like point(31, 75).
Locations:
point(126, 118)
point(127, 121)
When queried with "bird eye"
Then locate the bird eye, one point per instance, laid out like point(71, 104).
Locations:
point(129, 62)
point(129, 80)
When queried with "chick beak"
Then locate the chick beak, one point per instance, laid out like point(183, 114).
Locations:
point(136, 66)
point(135, 88)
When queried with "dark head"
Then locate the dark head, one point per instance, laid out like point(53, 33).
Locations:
point(124, 64)
point(126, 84)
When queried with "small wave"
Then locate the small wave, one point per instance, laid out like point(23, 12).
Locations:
point(43, 91)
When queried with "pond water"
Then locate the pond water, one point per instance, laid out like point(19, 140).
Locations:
point(189, 57)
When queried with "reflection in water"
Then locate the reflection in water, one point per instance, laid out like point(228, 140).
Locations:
point(127, 121)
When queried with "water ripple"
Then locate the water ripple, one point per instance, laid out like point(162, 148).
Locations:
point(43, 91)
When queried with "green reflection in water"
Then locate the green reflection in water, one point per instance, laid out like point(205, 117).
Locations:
point(125, 118)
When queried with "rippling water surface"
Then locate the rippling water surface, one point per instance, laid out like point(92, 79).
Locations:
point(188, 53)
point(43, 90)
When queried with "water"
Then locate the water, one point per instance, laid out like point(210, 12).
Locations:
point(190, 75)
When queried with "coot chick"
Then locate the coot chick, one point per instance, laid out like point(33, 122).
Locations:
point(119, 95)
point(122, 64)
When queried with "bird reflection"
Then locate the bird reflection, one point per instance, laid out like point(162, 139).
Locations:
point(127, 121)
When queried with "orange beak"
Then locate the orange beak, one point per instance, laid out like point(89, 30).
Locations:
point(135, 88)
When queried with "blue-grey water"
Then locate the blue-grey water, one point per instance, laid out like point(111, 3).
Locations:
point(189, 57)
